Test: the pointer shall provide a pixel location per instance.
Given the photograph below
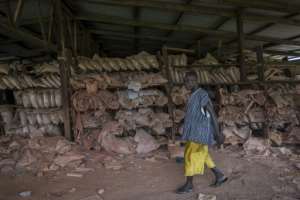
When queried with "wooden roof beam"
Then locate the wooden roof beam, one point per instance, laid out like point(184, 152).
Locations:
point(142, 37)
point(283, 6)
point(136, 16)
point(273, 52)
point(207, 8)
point(16, 34)
point(182, 28)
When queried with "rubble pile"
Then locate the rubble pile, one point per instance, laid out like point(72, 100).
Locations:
point(38, 155)
point(248, 111)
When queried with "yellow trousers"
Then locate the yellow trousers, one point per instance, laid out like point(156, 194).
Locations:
point(195, 157)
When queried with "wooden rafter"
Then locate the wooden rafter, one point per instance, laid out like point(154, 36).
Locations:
point(141, 37)
point(182, 28)
point(18, 10)
point(206, 8)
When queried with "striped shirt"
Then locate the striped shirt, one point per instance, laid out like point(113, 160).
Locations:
point(197, 123)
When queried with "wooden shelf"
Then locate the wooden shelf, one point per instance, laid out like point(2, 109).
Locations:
point(39, 110)
point(125, 88)
point(203, 66)
point(93, 72)
point(249, 82)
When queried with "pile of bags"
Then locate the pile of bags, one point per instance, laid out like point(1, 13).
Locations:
point(205, 76)
point(130, 99)
point(118, 80)
point(25, 81)
point(246, 111)
point(109, 138)
point(131, 120)
point(25, 122)
point(141, 61)
point(48, 98)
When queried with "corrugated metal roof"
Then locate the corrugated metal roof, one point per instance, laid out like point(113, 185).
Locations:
point(162, 16)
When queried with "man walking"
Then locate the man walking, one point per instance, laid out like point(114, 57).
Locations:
point(200, 130)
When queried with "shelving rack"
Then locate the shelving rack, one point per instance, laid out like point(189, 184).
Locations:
point(260, 65)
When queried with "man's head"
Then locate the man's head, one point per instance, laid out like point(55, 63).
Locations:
point(190, 80)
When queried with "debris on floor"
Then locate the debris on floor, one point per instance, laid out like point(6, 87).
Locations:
point(92, 197)
point(206, 197)
point(25, 194)
point(38, 155)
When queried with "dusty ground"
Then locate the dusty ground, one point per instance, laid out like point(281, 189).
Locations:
point(141, 179)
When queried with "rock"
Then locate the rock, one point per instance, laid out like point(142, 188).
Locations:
point(100, 191)
point(63, 146)
point(146, 143)
point(64, 160)
point(76, 175)
point(206, 197)
point(25, 194)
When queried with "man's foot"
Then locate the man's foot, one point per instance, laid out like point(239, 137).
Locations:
point(186, 188)
point(219, 181)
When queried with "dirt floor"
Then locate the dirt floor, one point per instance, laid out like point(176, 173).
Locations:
point(250, 178)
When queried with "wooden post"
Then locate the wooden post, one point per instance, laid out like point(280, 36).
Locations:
point(198, 49)
point(260, 63)
point(241, 39)
point(220, 43)
point(64, 67)
point(75, 38)
point(167, 71)
point(50, 25)
point(18, 11)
